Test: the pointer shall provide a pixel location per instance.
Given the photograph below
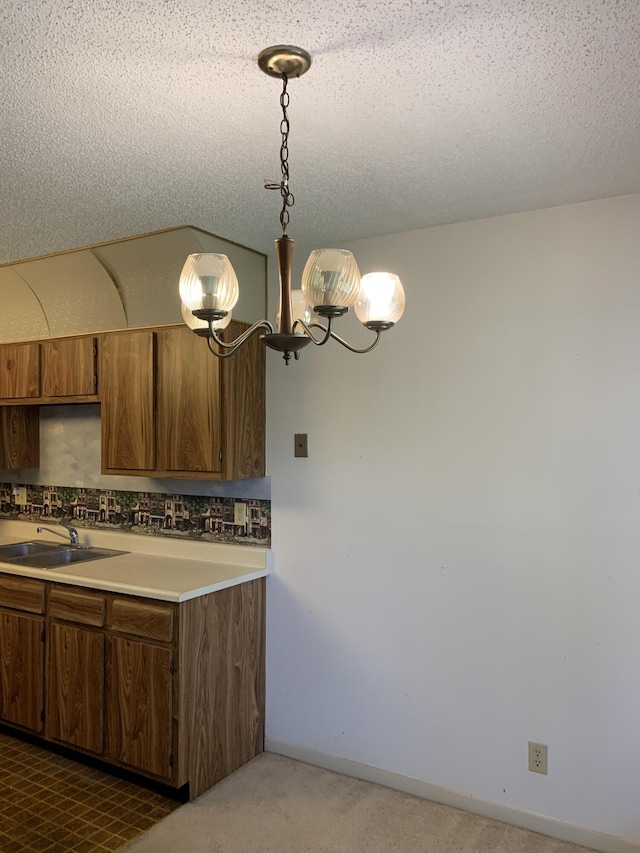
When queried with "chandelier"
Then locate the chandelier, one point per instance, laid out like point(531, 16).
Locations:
point(331, 281)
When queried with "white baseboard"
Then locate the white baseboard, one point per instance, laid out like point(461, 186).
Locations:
point(507, 814)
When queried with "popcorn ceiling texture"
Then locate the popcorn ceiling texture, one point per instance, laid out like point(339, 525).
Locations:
point(121, 117)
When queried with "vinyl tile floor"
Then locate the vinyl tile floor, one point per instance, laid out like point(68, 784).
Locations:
point(51, 803)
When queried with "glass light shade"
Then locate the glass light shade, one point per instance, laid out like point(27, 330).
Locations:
point(381, 298)
point(300, 307)
point(194, 323)
point(331, 277)
point(208, 281)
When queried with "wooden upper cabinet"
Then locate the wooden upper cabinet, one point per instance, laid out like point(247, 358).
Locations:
point(172, 409)
point(189, 419)
point(127, 393)
point(51, 371)
point(169, 407)
point(69, 367)
point(19, 437)
point(19, 371)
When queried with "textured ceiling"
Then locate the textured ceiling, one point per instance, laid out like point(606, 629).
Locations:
point(121, 117)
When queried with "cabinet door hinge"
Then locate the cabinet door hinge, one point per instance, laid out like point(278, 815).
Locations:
point(172, 667)
point(95, 379)
point(220, 456)
point(42, 716)
point(171, 760)
point(95, 350)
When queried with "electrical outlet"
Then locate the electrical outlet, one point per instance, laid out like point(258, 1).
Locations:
point(538, 757)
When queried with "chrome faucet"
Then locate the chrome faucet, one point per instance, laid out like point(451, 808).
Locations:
point(71, 532)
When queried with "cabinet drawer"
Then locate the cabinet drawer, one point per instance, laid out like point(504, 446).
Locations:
point(22, 594)
point(154, 621)
point(86, 608)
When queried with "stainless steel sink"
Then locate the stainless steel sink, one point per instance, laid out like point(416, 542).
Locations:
point(22, 549)
point(49, 555)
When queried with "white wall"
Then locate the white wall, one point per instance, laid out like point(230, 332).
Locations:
point(457, 562)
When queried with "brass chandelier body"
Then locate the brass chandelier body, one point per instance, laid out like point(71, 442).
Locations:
point(331, 281)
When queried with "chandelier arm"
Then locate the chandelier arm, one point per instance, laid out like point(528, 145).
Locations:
point(239, 341)
point(330, 334)
point(307, 330)
point(353, 349)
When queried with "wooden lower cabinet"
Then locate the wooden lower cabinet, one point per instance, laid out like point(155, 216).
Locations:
point(22, 631)
point(174, 692)
point(140, 707)
point(21, 670)
point(75, 687)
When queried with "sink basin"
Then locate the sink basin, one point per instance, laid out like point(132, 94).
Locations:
point(54, 556)
point(23, 549)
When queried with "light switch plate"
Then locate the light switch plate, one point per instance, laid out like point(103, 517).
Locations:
point(300, 444)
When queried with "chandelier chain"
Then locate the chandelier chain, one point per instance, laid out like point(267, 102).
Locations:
point(287, 196)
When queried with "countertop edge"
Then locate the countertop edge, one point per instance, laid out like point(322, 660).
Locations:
point(129, 588)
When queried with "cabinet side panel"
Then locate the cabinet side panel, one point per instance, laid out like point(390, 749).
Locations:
point(19, 437)
point(222, 659)
point(75, 687)
point(244, 408)
point(21, 670)
point(127, 383)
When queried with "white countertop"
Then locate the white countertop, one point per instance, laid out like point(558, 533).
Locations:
point(157, 567)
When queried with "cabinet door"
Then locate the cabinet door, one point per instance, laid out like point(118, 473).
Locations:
point(140, 706)
point(19, 370)
point(188, 403)
point(19, 436)
point(127, 394)
point(21, 669)
point(75, 686)
point(69, 367)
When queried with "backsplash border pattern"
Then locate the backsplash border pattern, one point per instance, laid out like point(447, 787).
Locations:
point(239, 521)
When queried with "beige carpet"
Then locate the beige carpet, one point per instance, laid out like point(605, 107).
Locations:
point(276, 805)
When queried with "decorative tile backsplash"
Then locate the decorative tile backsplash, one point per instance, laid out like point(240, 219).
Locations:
point(215, 519)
